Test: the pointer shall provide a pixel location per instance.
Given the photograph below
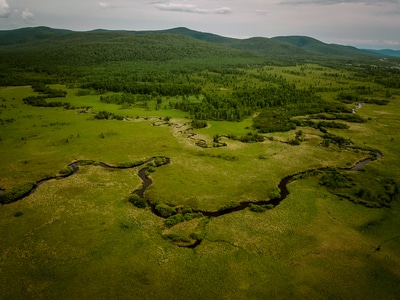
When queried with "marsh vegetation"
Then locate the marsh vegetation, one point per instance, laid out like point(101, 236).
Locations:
point(225, 175)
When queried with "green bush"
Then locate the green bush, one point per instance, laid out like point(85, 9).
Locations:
point(197, 236)
point(191, 216)
point(150, 169)
point(179, 218)
point(294, 142)
point(165, 210)
point(130, 164)
point(228, 205)
point(186, 210)
point(199, 124)
point(173, 220)
point(138, 201)
point(334, 178)
point(176, 238)
point(276, 193)
point(17, 192)
point(66, 171)
point(257, 208)
point(159, 161)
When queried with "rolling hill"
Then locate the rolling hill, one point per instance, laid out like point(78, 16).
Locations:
point(48, 46)
point(46, 49)
point(282, 46)
point(314, 45)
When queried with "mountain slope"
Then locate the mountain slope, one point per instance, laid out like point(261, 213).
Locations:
point(58, 46)
point(290, 47)
point(314, 45)
point(29, 35)
point(88, 48)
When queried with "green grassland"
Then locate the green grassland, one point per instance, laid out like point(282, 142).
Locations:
point(79, 236)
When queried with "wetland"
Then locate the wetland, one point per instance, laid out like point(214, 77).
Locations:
point(228, 176)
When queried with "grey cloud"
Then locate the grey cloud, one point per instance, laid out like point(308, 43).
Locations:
point(4, 9)
point(27, 16)
point(108, 5)
point(261, 12)
point(104, 4)
point(189, 8)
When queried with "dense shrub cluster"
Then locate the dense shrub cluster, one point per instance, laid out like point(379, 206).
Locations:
point(105, 115)
point(322, 125)
point(335, 139)
point(229, 205)
point(17, 192)
point(221, 156)
point(376, 101)
point(176, 238)
point(40, 101)
point(348, 97)
point(138, 201)
point(251, 138)
point(66, 171)
point(130, 164)
point(160, 160)
point(179, 218)
point(198, 124)
point(260, 208)
point(47, 91)
point(164, 210)
point(334, 179)
point(349, 117)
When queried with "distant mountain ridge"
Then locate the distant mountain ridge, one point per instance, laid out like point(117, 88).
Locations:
point(282, 45)
point(287, 47)
point(29, 35)
point(386, 52)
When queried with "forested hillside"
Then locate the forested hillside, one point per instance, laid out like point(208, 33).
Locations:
point(40, 54)
point(77, 49)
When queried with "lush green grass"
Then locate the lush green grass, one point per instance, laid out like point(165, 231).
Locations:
point(81, 237)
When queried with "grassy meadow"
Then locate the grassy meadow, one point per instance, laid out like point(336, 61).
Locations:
point(80, 237)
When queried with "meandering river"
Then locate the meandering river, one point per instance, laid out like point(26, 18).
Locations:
point(146, 182)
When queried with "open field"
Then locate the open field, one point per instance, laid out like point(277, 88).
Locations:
point(80, 237)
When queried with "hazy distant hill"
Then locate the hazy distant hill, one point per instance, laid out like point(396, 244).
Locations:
point(386, 52)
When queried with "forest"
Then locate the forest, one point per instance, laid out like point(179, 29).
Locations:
point(177, 164)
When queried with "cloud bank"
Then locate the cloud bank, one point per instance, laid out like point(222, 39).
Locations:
point(4, 9)
point(334, 2)
point(27, 16)
point(190, 8)
point(104, 4)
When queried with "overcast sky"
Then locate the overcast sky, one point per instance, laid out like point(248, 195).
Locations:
point(361, 23)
